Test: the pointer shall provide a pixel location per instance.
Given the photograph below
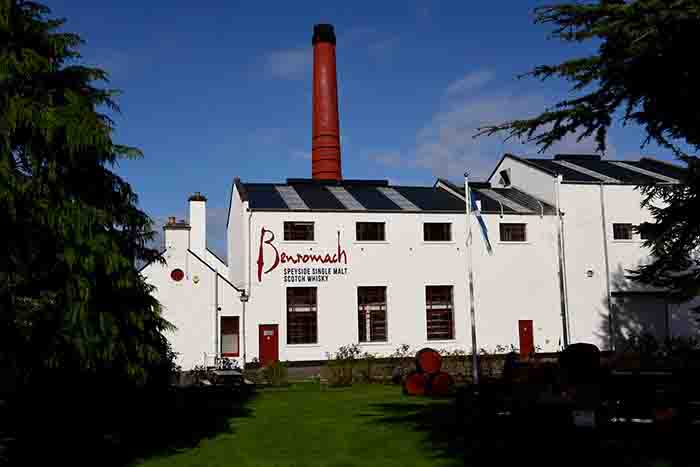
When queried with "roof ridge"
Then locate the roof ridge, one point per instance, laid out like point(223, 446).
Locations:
point(651, 159)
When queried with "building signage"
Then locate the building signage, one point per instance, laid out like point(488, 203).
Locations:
point(300, 267)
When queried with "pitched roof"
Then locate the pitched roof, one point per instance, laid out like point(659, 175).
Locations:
point(585, 168)
point(378, 196)
point(348, 195)
point(502, 200)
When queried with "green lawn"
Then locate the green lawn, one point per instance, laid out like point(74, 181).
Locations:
point(305, 426)
point(375, 425)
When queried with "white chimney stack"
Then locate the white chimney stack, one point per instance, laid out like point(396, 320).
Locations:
point(198, 223)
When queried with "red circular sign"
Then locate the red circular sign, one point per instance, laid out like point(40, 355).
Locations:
point(177, 275)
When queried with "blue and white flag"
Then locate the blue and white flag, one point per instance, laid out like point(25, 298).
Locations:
point(484, 231)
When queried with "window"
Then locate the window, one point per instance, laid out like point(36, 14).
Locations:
point(439, 312)
point(513, 233)
point(229, 336)
point(302, 312)
point(371, 308)
point(296, 231)
point(505, 177)
point(622, 231)
point(437, 231)
point(370, 231)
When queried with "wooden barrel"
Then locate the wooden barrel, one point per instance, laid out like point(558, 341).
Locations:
point(414, 384)
point(580, 363)
point(440, 384)
point(428, 361)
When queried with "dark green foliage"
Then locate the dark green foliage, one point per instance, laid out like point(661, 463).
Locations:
point(643, 72)
point(72, 299)
point(674, 237)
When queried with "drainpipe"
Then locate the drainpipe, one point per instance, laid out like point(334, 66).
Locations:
point(216, 314)
point(607, 269)
point(245, 295)
point(563, 290)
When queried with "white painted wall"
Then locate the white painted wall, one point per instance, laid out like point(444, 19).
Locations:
point(236, 234)
point(198, 236)
point(198, 223)
point(216, 263)
point(583, 247)
point(518, 282)
point(622, 205)
point(190, 304)
point(528, 179)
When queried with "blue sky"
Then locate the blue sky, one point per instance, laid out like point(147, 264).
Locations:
point(217, 89)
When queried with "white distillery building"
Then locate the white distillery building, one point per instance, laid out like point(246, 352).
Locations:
point(314, 264)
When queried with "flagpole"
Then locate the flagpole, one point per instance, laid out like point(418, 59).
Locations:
point(472, 312)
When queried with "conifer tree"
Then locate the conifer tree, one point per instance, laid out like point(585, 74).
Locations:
point(72, 299)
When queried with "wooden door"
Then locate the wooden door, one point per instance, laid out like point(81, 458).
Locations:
point(527, 339)
point(269, 343)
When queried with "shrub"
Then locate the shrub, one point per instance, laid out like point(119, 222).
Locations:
point(348, 353)
point(365, 367)
point(338, 375)
point(401, 363)
point(200, 375)
point(275, 373)
point(340, 365)
point(402, 351)
point(454, 361)
point(645, 349)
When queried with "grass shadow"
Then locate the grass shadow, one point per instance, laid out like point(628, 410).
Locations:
point(467, 432)
point(119, 429)
point(436, 418)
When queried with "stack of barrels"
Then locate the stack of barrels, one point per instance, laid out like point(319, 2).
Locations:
point(428, 379)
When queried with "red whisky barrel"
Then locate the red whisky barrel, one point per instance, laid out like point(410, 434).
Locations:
point(414, 384)
point(428, 360)
point(440, 383)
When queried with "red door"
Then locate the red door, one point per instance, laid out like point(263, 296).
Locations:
point(527, 340)
point(269, 344)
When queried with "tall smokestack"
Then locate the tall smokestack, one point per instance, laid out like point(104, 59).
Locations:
point(325, 142)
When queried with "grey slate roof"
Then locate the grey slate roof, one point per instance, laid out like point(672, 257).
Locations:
point(378, 196)
point(483, 192)
point(582, 168)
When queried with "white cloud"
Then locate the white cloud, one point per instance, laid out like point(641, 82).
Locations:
point(570, 145)
point(447, 145)
point(470, 81)
point(292, 63)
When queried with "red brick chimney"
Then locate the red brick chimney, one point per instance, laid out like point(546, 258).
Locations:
point(325, 142)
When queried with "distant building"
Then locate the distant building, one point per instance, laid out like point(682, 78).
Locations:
point(326, 262)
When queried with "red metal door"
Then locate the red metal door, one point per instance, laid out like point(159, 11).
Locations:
point(527, 340)
point(269, 348)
